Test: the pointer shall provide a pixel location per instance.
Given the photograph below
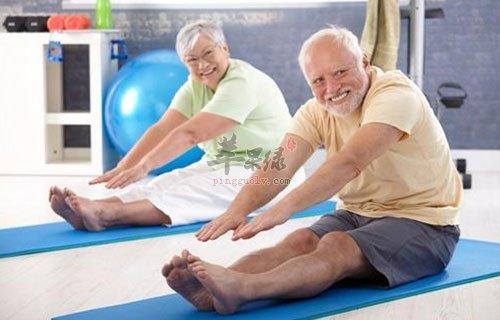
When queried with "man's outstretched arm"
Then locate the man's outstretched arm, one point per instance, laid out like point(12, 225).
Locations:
point(367, 144)
point(296, 151)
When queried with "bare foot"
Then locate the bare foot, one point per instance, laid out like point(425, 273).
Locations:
point(58, 204)
point(187, 285)
point(68, 192)
point(87, 209)
point(223, 284)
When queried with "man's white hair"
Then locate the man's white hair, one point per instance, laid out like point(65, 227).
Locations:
point(338, 35)
point(189, 34)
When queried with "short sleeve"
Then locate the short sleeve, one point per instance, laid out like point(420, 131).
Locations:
point(396, 105)
point(306, 123)
point(183, 100)
point(235, 99)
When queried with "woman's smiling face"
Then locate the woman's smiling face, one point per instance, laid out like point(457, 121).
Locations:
point(207, 61)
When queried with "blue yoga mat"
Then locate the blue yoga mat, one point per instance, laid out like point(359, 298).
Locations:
point(473, 261)
point(60, 235)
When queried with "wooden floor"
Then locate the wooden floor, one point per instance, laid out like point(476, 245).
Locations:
point(41, 286)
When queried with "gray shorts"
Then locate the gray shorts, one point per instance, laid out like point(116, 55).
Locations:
point(402, 250)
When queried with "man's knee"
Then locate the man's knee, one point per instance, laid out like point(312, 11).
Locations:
point(344, 254)
point(338, 244)
point(303, 240)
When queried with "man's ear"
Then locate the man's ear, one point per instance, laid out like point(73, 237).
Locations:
point(366, 61)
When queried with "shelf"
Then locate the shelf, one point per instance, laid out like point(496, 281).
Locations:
point(57, 149)
point(68, 118)
point(60, 102)
point(72, 156)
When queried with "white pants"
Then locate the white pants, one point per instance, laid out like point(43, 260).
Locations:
point(200, 193)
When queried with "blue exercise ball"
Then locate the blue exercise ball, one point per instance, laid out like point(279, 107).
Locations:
point(137, 97)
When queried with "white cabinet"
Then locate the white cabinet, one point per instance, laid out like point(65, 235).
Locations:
point(36, 115)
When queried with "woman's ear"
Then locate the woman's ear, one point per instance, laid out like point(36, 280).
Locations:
point(225, 47)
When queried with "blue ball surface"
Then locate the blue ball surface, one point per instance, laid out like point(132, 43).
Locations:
point(138, 96)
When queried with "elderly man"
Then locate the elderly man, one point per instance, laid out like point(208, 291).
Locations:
point(388, 161)
point(236, 113)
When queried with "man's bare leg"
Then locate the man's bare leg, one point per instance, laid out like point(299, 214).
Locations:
point(180, 279)
point(98, 215)
point(299, 242)
point(336, 257)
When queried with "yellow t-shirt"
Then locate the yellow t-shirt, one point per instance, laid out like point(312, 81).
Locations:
point(416, 178)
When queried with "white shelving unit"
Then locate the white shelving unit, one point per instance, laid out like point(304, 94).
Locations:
point(33, 116)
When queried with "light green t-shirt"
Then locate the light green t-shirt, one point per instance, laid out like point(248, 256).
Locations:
point(248, 96)
point(416, 177)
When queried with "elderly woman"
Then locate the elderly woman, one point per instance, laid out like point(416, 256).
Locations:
point(234, 112)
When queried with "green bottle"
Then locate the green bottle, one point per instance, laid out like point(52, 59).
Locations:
point(103, 14)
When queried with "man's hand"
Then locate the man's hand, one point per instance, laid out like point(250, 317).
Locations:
point(127, 176)
point(220, 226)
point(265, 221)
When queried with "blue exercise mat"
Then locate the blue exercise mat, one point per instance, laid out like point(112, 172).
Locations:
point(60, 235)
point(473, 261)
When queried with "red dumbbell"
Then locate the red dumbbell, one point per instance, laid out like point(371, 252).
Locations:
point(77, 22)
point(56, 22)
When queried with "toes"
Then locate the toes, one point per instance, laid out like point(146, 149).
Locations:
point(58, 191)
point(190, 257)
point(197, 267)
point(54, 191)
point(175, 262)
point(73, 203)
point(167, 268)
point(178, 262)
point(68, 192)
point(51, 192)
point(199, 272)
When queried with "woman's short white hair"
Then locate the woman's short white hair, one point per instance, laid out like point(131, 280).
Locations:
point(338, 35)
point(189, 34)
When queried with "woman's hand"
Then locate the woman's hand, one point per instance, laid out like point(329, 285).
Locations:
point(126, 176)
point(107, 176)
